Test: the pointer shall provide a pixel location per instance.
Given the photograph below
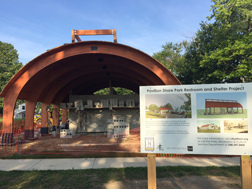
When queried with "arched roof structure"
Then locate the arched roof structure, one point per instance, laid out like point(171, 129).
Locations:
point(83, 68)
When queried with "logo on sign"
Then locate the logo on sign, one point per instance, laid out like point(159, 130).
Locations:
point(149, 144)
point(160, 147)
point(190, 148)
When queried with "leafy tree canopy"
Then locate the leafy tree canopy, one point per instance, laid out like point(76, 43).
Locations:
point(9, 65)
point(221, 50)
point(153, 107)
point(115, 90)
point(168, 105)
point(226, 44)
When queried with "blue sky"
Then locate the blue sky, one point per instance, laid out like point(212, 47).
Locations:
point(34, 26)
point(176, 100)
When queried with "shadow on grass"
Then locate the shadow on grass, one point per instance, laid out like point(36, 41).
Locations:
point(98, 178)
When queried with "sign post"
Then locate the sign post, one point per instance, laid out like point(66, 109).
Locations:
point(152, 178)
point(246, 172)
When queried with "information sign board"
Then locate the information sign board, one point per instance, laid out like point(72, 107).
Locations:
point(196, 119)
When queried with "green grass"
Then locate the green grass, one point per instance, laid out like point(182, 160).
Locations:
point(1, 119)
point(208, 130)
point(200, 114)
point(153, 115)
point(93, 178)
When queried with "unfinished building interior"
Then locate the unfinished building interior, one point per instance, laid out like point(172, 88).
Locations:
point(68, 75)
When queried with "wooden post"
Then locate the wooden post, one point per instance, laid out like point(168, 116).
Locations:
point(44, 118)
point(152, 178)
point(29, 119)
point(73, 36)
point(64, 115)
point(246, 172)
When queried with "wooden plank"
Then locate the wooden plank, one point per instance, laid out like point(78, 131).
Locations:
point(246, 172)
point(115, 38)
point(78, 38)
point(152, 177)
point(76, 33)
point(95, 32)
point(73, 36)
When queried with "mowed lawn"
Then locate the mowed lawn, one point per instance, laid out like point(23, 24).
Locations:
point(208, 130)
point(153, 115)
point(99, 178)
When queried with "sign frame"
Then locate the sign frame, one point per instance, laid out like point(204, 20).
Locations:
point(177, 134)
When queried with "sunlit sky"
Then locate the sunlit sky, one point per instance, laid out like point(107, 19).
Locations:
point(35, 26)
point(176, 100)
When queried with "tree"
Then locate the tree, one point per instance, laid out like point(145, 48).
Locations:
point(9, 65)
point(183, 65)
point(221, 50)
point(153, 107)
point(116, 91)
point(168, 105)
point(224, 47)
point(171, 55)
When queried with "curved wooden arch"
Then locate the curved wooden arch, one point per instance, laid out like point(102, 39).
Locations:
point(45, 77)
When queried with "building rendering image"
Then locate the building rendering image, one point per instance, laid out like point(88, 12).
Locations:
point(221, 107)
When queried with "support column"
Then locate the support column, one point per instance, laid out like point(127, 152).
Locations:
point(64, 116)
point(8, 111)
point(29, 119)
point(56, 108)
point(44, 118)
point(80, 121)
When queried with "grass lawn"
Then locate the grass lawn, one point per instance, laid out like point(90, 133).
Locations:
point(152, 115)
point(208, 130)
point(98, 178)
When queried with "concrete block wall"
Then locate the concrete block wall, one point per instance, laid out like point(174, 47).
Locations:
point(132, 100)
point(96, 119)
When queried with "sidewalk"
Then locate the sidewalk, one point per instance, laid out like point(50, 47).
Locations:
point(100, 163)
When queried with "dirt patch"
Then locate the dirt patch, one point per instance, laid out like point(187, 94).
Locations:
point(188, 182)
point(81, 144)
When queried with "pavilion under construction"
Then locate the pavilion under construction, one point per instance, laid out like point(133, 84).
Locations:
point(219, 107)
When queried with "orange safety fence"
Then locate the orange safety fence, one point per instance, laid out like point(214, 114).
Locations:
point(188, 156)
point(9, 142)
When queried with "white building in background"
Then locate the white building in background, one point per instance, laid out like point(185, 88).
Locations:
point(19, 112)
point(209, 126)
